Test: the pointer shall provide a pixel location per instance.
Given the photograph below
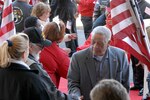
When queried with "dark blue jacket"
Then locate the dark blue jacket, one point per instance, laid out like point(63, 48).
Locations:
point(19, 83)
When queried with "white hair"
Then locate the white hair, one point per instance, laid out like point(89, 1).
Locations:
point(102, 30)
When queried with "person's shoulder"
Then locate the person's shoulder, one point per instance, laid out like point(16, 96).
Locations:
point(21, 4)
point(22, 71)
point(30, 61)
point(31, 75)
point(82, 53)
point(116, 49)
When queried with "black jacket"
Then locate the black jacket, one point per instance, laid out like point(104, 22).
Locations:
point(19, 83)
point(53, 92)
point(21, 11)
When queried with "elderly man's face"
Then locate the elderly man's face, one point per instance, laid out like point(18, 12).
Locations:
point(100, 44)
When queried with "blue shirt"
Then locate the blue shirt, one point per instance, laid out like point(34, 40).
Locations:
point(102, 67)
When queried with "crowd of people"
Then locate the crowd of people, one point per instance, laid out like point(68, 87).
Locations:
point(32, 63)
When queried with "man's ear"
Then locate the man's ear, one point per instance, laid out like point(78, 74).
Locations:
point(30, 46)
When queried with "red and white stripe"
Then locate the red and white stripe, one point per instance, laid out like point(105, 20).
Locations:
point(125, 32)
point(7, 26)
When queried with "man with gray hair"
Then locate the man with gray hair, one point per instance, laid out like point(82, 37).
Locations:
point(99, 61)
point(109, 89)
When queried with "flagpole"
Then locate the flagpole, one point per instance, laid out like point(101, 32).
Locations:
point(144, 33)
point(146, 40)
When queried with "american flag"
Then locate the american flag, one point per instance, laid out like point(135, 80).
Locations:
point(7, 25)
point(127, 33)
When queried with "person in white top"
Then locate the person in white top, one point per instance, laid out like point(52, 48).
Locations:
point(42, 12)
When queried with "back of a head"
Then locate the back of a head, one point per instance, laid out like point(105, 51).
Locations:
point(35, 36)
point(109, 89)
point(31, 21)
point(39, 9)
point(13, 48)
point(54, 31)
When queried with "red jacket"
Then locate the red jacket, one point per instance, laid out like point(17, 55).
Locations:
point(55, 61)
point(86, 7)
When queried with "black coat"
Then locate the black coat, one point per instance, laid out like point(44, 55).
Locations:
point(19, 83)
point(21, 11)
point(64, 8)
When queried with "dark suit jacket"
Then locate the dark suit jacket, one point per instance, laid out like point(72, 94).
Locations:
point(82, 70)
point(19, 83)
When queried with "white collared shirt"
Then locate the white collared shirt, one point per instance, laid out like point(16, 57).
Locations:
point(19, 62)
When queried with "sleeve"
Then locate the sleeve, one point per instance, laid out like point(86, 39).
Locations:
point(53, 5)
point(63, 67)
point(74, 77)
point(50, 65)
point(54, 93)
point(36, 88)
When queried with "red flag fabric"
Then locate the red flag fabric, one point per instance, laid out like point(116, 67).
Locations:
point(1, 4)
point(7, 25)
point(126, 35)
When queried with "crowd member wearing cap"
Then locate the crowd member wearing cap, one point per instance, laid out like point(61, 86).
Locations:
point(35, 46)
point(54, 59)
point(36, 41)
point(17, 81)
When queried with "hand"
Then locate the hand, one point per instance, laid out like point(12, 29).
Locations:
point(67, 50)
point(69, 37)
point(72, 36)
point(76, 15)
point(81, 97)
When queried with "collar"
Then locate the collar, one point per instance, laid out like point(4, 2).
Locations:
point(33, 58)
point(19, 62)
point(95, 56)
point(100, 58)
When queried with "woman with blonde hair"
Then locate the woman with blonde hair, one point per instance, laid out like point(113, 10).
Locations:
point(17, 81)
point(42, 12)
